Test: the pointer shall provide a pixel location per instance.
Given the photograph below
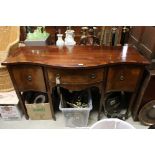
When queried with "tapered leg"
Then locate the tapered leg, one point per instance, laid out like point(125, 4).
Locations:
point(49, 93)
point(19, 95)
point(51, 104)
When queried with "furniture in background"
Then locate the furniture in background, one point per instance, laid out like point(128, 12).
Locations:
point(145, 96)
point(142, 37)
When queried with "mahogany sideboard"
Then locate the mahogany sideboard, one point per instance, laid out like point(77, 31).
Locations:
point(78, 67)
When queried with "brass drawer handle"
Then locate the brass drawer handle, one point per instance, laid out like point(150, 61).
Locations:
point(92, 76)
point(122, 78)
point(29, 78)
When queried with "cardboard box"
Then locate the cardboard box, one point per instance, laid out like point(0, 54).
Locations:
point(9, 107)
point(11, 112)
point(39, 111)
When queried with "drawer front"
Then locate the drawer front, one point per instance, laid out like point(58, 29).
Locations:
point(79, 76)
point(29, 78)
point(123, 78)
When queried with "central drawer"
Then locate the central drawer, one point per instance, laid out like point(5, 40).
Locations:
point(80, 76)
point(29, 77)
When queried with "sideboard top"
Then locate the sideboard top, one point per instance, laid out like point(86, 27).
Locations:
point(75, 57)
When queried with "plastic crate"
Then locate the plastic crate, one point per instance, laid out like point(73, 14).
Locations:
point(77, 117)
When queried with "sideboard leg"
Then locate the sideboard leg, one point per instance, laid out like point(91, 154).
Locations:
point(19, 95)
point(49, 93)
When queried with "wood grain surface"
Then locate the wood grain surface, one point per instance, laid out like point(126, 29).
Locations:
point(75, 57)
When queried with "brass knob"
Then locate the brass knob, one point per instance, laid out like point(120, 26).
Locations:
point(121, 78)
point(92, 76)
point(29, 78)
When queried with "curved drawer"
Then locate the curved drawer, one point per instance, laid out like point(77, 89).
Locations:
point(80, 76)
